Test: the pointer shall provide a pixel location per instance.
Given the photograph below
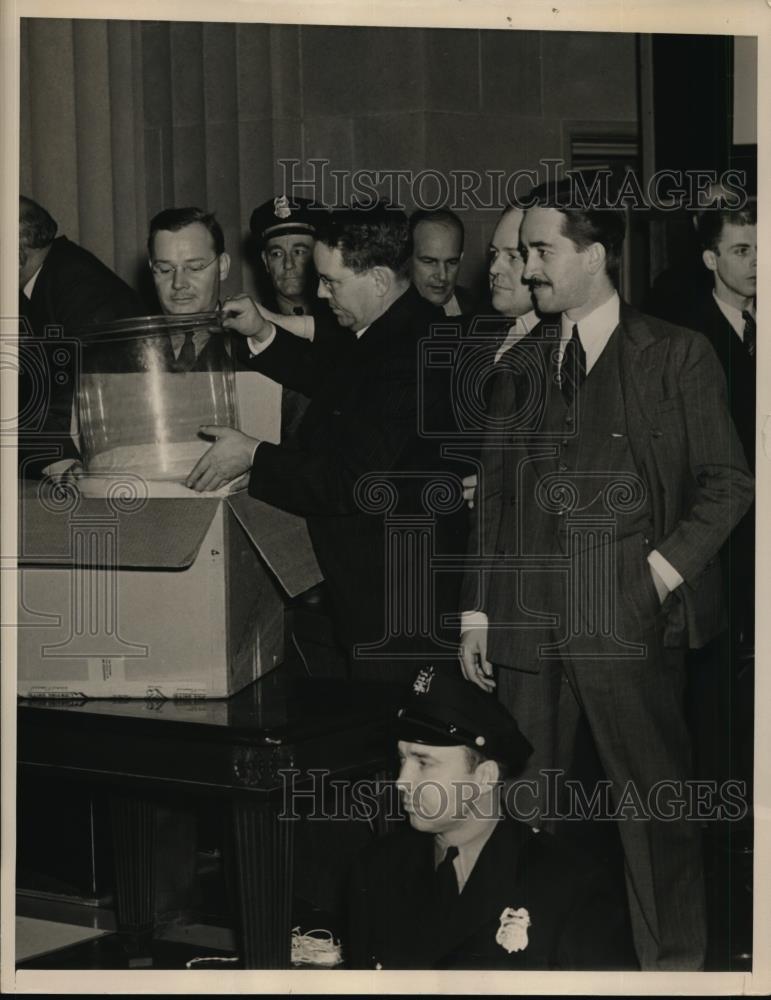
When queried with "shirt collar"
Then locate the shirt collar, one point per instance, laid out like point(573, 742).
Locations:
point(29, 287)
point(530, 320)
point(594, 329)
point(480, 831)
point(451, 307)
point(518, 329)
point(732, 314)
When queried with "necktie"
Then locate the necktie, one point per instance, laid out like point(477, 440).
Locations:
point(750, 333)
point(186, 359)
point(446, 881)
point(573, 367)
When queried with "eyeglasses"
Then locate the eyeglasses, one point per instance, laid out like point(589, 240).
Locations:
point(162, 269)
point(332, 284)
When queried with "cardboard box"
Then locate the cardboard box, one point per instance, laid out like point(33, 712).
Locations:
point(180, 598)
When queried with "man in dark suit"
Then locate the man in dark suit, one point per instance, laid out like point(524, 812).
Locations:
point(616, 482)
point(61, 286)
point(361, 464)
point(512, 300)
point(720, 692)
point(727, 316)
point(467, 886)
point(437, 252)
point(188, 261)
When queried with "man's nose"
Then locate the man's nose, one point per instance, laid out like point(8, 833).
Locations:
point(289, 262)
point(179, 279)
point(441, 271)
point(529, 270)
point(323, 292)
point(403, 781)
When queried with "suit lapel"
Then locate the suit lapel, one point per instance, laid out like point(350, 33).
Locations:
point(642, 360)
point(534, 376)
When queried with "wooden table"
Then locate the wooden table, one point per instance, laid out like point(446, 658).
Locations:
point(237, 752)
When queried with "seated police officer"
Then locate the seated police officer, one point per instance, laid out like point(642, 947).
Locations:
point(466, 886)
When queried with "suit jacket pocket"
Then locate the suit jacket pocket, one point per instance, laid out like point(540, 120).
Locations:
point(635, 582)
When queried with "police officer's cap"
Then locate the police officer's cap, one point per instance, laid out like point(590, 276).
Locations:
point(283, 216)
point(443, 709)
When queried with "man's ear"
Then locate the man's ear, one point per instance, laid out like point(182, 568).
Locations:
point(710, 260)
point(487, 773)
point(224, 265)
point(595, 258)
point(383, 279)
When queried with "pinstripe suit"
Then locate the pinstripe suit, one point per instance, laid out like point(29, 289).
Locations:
point(581, 626)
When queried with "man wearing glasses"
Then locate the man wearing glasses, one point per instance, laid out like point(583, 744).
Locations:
point(363, 422)
point(186, 247)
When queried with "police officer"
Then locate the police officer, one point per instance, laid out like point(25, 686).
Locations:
point(284, 234)
point(466, 886)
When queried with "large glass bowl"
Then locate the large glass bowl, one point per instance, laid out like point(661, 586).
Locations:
point(146, 387)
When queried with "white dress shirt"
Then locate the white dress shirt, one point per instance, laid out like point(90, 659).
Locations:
point(451, 307)
point(594, 332)
point(519, 329)
point(30, 285)
point(733, 315)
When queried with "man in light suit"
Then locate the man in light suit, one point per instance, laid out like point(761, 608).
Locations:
point(466, 886)
point(616, 482)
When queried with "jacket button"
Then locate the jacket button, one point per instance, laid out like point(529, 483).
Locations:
point(569, 418)
point(563, 467)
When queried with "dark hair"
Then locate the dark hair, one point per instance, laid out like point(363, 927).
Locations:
point(584, 223)
point(36, 227)
point(369, 237)
point(441, 216)
point(711, 222)
point(174, 219)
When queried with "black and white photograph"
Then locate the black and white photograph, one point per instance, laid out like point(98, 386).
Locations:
point(382, 425)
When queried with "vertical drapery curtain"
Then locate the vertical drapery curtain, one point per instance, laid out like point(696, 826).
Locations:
point(120, 119)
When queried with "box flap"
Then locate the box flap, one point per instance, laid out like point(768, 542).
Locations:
point(282, 540)
point(162, 534)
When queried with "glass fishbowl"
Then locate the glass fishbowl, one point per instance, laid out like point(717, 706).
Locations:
point(146, 387)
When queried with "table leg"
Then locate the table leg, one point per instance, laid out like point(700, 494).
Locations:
point(262, 877)
point(133, 836)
